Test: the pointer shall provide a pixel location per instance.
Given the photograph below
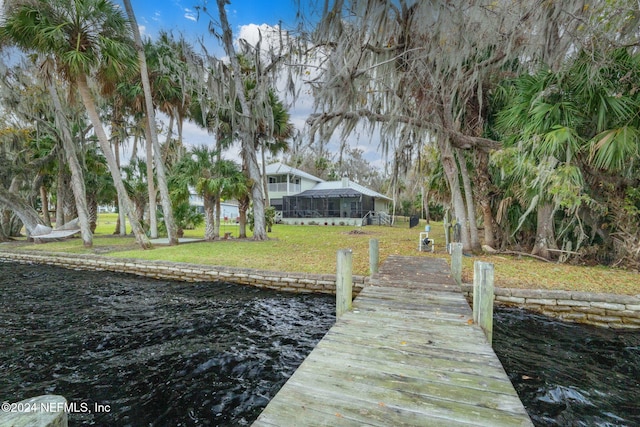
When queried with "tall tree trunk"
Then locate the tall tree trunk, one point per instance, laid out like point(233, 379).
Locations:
point(44, 200)
point(92, 206)
point(167, 152)
point(61, 190)
point(180, 125)
point(246, 136)
point(265, 183)
point(451, 171)
point(3, 236)
point(483, 191)
point(425, 205)
point(77, 175)
point(121, 222)
point(219, 138)
point(5, 221)
point(545, 233)
point(70, 211)
point(87, 99)
point(243, 206)
point(209, 221)
point(216, 228)
point(153, 220)
point(167, 209)
point(468, 194)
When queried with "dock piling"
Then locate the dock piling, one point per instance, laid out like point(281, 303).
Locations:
point(374, 256)
point(344, 281)
point(456, 262)
point(483, 296)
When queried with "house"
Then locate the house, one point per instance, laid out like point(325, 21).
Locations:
point(283, 180)
point(228, 209)
point(301, 198)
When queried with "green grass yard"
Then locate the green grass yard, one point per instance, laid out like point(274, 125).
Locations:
point(313, 248)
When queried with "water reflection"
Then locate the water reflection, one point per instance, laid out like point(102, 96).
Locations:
point(569, 374)
point(155, 352)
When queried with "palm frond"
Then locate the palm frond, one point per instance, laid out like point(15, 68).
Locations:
point(613, 149)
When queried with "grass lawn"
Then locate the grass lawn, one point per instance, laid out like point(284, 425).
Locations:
point(312, 249)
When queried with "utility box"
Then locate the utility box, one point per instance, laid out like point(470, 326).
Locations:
point(426, 243)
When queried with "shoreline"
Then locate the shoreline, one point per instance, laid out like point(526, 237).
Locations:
point(599, 309)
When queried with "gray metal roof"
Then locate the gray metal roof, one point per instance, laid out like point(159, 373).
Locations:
point(336, 185)
point(338, 189)
point(332, 192)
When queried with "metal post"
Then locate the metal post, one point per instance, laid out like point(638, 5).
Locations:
point(344, 281)
point(456, 262)
point(483, 296)
point(374, 256)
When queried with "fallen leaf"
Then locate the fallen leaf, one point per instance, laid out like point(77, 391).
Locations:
point(403, 343)
point(470, 322)
point(381, 404)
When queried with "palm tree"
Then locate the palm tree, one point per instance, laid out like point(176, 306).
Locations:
point(543, 119)
point(88, 39)
point(212, 178)
point(576, 131)
point(153, 144)
point(171, 72)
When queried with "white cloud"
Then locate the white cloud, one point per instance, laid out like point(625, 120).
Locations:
point(190, 15)
point(253, 32)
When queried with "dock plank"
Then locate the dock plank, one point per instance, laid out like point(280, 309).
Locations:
point(407, 354)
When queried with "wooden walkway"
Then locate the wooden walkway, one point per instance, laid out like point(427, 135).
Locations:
point(406, 355)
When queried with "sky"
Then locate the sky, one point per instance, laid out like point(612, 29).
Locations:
point(245, 16)
point(183, 15)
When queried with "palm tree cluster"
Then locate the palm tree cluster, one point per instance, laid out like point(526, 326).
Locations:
point(79, 82)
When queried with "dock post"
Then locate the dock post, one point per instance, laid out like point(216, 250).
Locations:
point(374, 256)
point(483, 297)
point(344, 281)
point(456, 262)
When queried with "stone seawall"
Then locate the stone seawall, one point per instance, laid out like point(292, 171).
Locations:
point(605, 310)
point(283, 281)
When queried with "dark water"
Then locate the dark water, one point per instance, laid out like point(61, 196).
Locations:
point(177, 354)
point(568, 374)
point(154, 352)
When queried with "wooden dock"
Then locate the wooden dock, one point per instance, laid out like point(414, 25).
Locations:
point(408, 354)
